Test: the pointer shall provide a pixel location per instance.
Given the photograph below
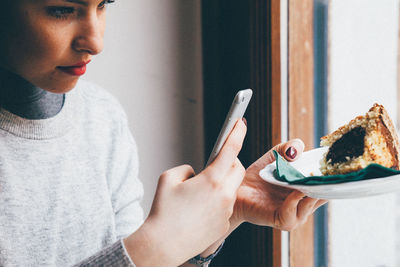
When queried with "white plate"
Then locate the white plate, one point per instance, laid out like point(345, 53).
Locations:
point(308, 164)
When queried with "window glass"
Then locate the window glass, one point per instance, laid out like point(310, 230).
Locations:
point(362, 67)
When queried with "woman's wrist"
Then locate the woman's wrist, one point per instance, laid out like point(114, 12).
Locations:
point(200, 261)
point(234, 223)
point(146, 248)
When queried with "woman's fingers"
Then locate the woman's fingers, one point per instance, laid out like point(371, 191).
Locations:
point(291, 150)
point(305, 208)
point(296, 209)
point(229, 152)
point(308, 206)
point(319, 203)
point(291, 202)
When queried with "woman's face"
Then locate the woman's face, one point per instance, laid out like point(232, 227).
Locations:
point(49, 42)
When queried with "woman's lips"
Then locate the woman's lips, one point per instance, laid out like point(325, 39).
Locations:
point(75, 70)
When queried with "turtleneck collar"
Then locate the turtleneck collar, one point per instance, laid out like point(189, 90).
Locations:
point(26, 100)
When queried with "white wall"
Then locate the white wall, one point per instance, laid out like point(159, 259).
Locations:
point(362, 70)
point(152, 64)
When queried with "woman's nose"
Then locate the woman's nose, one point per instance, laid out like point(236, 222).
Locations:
point(90, 35)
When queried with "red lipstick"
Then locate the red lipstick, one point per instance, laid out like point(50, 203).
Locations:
point(77, 69)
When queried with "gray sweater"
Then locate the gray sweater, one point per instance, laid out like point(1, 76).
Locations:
point(69, 188)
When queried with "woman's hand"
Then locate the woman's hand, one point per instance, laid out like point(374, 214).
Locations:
point(189, 213)
point(261, 203)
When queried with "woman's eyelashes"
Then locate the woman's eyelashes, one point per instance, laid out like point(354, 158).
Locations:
point(62, 12)
point(103, 3)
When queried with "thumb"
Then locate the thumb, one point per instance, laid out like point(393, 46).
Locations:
point(290, 150)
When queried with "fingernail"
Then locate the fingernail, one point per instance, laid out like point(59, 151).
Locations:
point(244, 121)
point(291, 152)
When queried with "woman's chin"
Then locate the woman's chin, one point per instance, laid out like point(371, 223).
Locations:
point(60, 87)
point(55, 82)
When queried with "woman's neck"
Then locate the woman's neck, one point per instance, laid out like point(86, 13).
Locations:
point(26, 100)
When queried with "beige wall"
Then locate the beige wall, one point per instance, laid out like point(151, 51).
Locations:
point(152, 64)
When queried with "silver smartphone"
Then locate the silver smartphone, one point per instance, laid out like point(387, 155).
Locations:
point(237, 110)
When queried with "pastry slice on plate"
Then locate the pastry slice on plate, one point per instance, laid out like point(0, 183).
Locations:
point(371, 138)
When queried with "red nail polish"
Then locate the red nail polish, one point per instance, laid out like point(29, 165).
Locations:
point(291, 152)
point(244, 121)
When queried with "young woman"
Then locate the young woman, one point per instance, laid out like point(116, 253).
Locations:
point(69, 188)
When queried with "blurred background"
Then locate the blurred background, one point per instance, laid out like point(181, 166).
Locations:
point(314, 65)
point(152, 62)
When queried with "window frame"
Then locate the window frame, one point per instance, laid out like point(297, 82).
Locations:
point(300, 104)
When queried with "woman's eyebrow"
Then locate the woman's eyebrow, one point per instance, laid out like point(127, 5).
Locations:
point(77, 2)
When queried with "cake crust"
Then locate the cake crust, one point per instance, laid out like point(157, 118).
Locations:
point(380, 144)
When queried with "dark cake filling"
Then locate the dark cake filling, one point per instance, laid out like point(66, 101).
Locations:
point(350, 145)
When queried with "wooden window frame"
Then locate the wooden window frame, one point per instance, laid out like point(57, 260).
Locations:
point(301, 109)
point(300, 81)
point(262, 71)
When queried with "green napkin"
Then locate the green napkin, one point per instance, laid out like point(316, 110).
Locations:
point(286, 173)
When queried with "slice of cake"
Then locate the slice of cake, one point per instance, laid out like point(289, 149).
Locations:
point(366, 139)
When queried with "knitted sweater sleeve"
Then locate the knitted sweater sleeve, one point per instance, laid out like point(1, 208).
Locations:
point(126, 192)
point(114, 255)
point(125, 187)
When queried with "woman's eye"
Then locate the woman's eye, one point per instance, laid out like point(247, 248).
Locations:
point(60, 12)
point(104, 3)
